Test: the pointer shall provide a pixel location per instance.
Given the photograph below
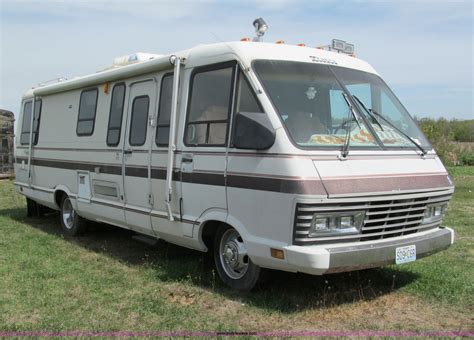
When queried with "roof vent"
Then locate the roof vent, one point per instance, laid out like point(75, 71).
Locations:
point(134, 58)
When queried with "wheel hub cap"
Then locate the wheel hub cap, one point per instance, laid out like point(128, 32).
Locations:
point(234, 258)
point(68, 214)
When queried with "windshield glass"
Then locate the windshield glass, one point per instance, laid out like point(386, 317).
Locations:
point(309, 99)
point(310, 102)
point(377, 97)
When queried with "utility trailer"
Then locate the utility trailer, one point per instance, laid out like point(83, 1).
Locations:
point(270, 155)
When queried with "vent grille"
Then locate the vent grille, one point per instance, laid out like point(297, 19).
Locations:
point(384, 218)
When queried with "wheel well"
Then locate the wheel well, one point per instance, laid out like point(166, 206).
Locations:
point(209, 230)
point(58, 196)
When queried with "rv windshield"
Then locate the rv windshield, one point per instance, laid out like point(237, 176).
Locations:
point(372, 92)
point(309, 98)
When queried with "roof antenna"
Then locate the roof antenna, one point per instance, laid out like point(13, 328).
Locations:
point(260, 28)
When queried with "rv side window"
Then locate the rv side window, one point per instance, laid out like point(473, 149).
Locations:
point(246, 100)
point(87, 111)
point(139, 120)
point(164, 111)
point(115, 116)
point(209, 106)
point(25, 126)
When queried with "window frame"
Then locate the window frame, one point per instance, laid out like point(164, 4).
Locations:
point(131, 120)
point(96, 89)
point(23, 122)
point(159, 108)
point(36, 133)
point(239, 72)
point(121, 116)
point(202, 69)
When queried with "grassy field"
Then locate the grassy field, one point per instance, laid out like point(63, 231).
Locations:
point(106, 281)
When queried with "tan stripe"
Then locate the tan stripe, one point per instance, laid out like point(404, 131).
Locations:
point(386, 184)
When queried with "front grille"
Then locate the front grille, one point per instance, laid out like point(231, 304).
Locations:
point(384, 218)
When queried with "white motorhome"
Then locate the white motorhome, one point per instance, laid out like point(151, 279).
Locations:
point(270, 155)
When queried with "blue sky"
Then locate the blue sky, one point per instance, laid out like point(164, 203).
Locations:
point(423, 49)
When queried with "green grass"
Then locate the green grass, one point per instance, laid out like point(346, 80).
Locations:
point(105, 281)
point(449, 276)
point(460, 171)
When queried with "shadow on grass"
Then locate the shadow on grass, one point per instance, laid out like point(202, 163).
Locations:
point(279, 291)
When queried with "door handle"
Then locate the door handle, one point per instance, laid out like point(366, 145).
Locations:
point(187, 159)
point(128, 152)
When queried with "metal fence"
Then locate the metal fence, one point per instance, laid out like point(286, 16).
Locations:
point(7, 120)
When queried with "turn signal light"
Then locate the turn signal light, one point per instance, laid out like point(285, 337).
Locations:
point(301, 45)
point(280, 42)
point(245, 39)
point(277, 253)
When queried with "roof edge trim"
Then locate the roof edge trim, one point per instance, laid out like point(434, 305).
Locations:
point(106, 76)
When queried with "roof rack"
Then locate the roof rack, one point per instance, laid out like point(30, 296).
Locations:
point(52, 81)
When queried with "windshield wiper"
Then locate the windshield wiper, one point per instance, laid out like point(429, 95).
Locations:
point(423, 151)
point(369, 112)
point(345, 149)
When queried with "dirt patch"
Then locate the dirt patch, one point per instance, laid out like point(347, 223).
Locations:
point(389, 312)
point(182, 297)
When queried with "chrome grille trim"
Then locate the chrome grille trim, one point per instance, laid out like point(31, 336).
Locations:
point(386, 216)
point(316, 208)
point(401, 217)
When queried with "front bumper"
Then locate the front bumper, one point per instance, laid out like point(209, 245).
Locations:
point(334, 258)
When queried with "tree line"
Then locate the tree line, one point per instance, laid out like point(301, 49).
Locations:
point(453, 140)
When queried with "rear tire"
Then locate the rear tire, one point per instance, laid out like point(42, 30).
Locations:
point(234, 266)
point(71, 223)
point(33, 209)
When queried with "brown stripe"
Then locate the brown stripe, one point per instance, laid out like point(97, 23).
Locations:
point(262, 182)
point(216, 179)
point(290, 186)
point(361, 185)
point(283, 184)
point(160, 173)
point(60, 164)
point(136, 172)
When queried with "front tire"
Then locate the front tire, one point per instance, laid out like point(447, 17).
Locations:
point(233, 264)
point(71, 223)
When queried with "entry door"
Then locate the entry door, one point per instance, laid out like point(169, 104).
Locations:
point(136, 156)
point(203, 162)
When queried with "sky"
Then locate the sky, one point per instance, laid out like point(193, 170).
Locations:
point(422, 49)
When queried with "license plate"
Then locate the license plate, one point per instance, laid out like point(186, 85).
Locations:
point(405, 254)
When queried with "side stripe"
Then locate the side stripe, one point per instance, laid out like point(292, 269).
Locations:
point(261, 182)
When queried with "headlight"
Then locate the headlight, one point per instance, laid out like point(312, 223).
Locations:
point(336, 223)
point(434, 212)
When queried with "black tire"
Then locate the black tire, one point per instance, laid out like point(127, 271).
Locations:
point(33, 209)
point(74, 225)
point(237, 272)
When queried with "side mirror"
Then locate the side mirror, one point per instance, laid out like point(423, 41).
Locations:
point(252, 130)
